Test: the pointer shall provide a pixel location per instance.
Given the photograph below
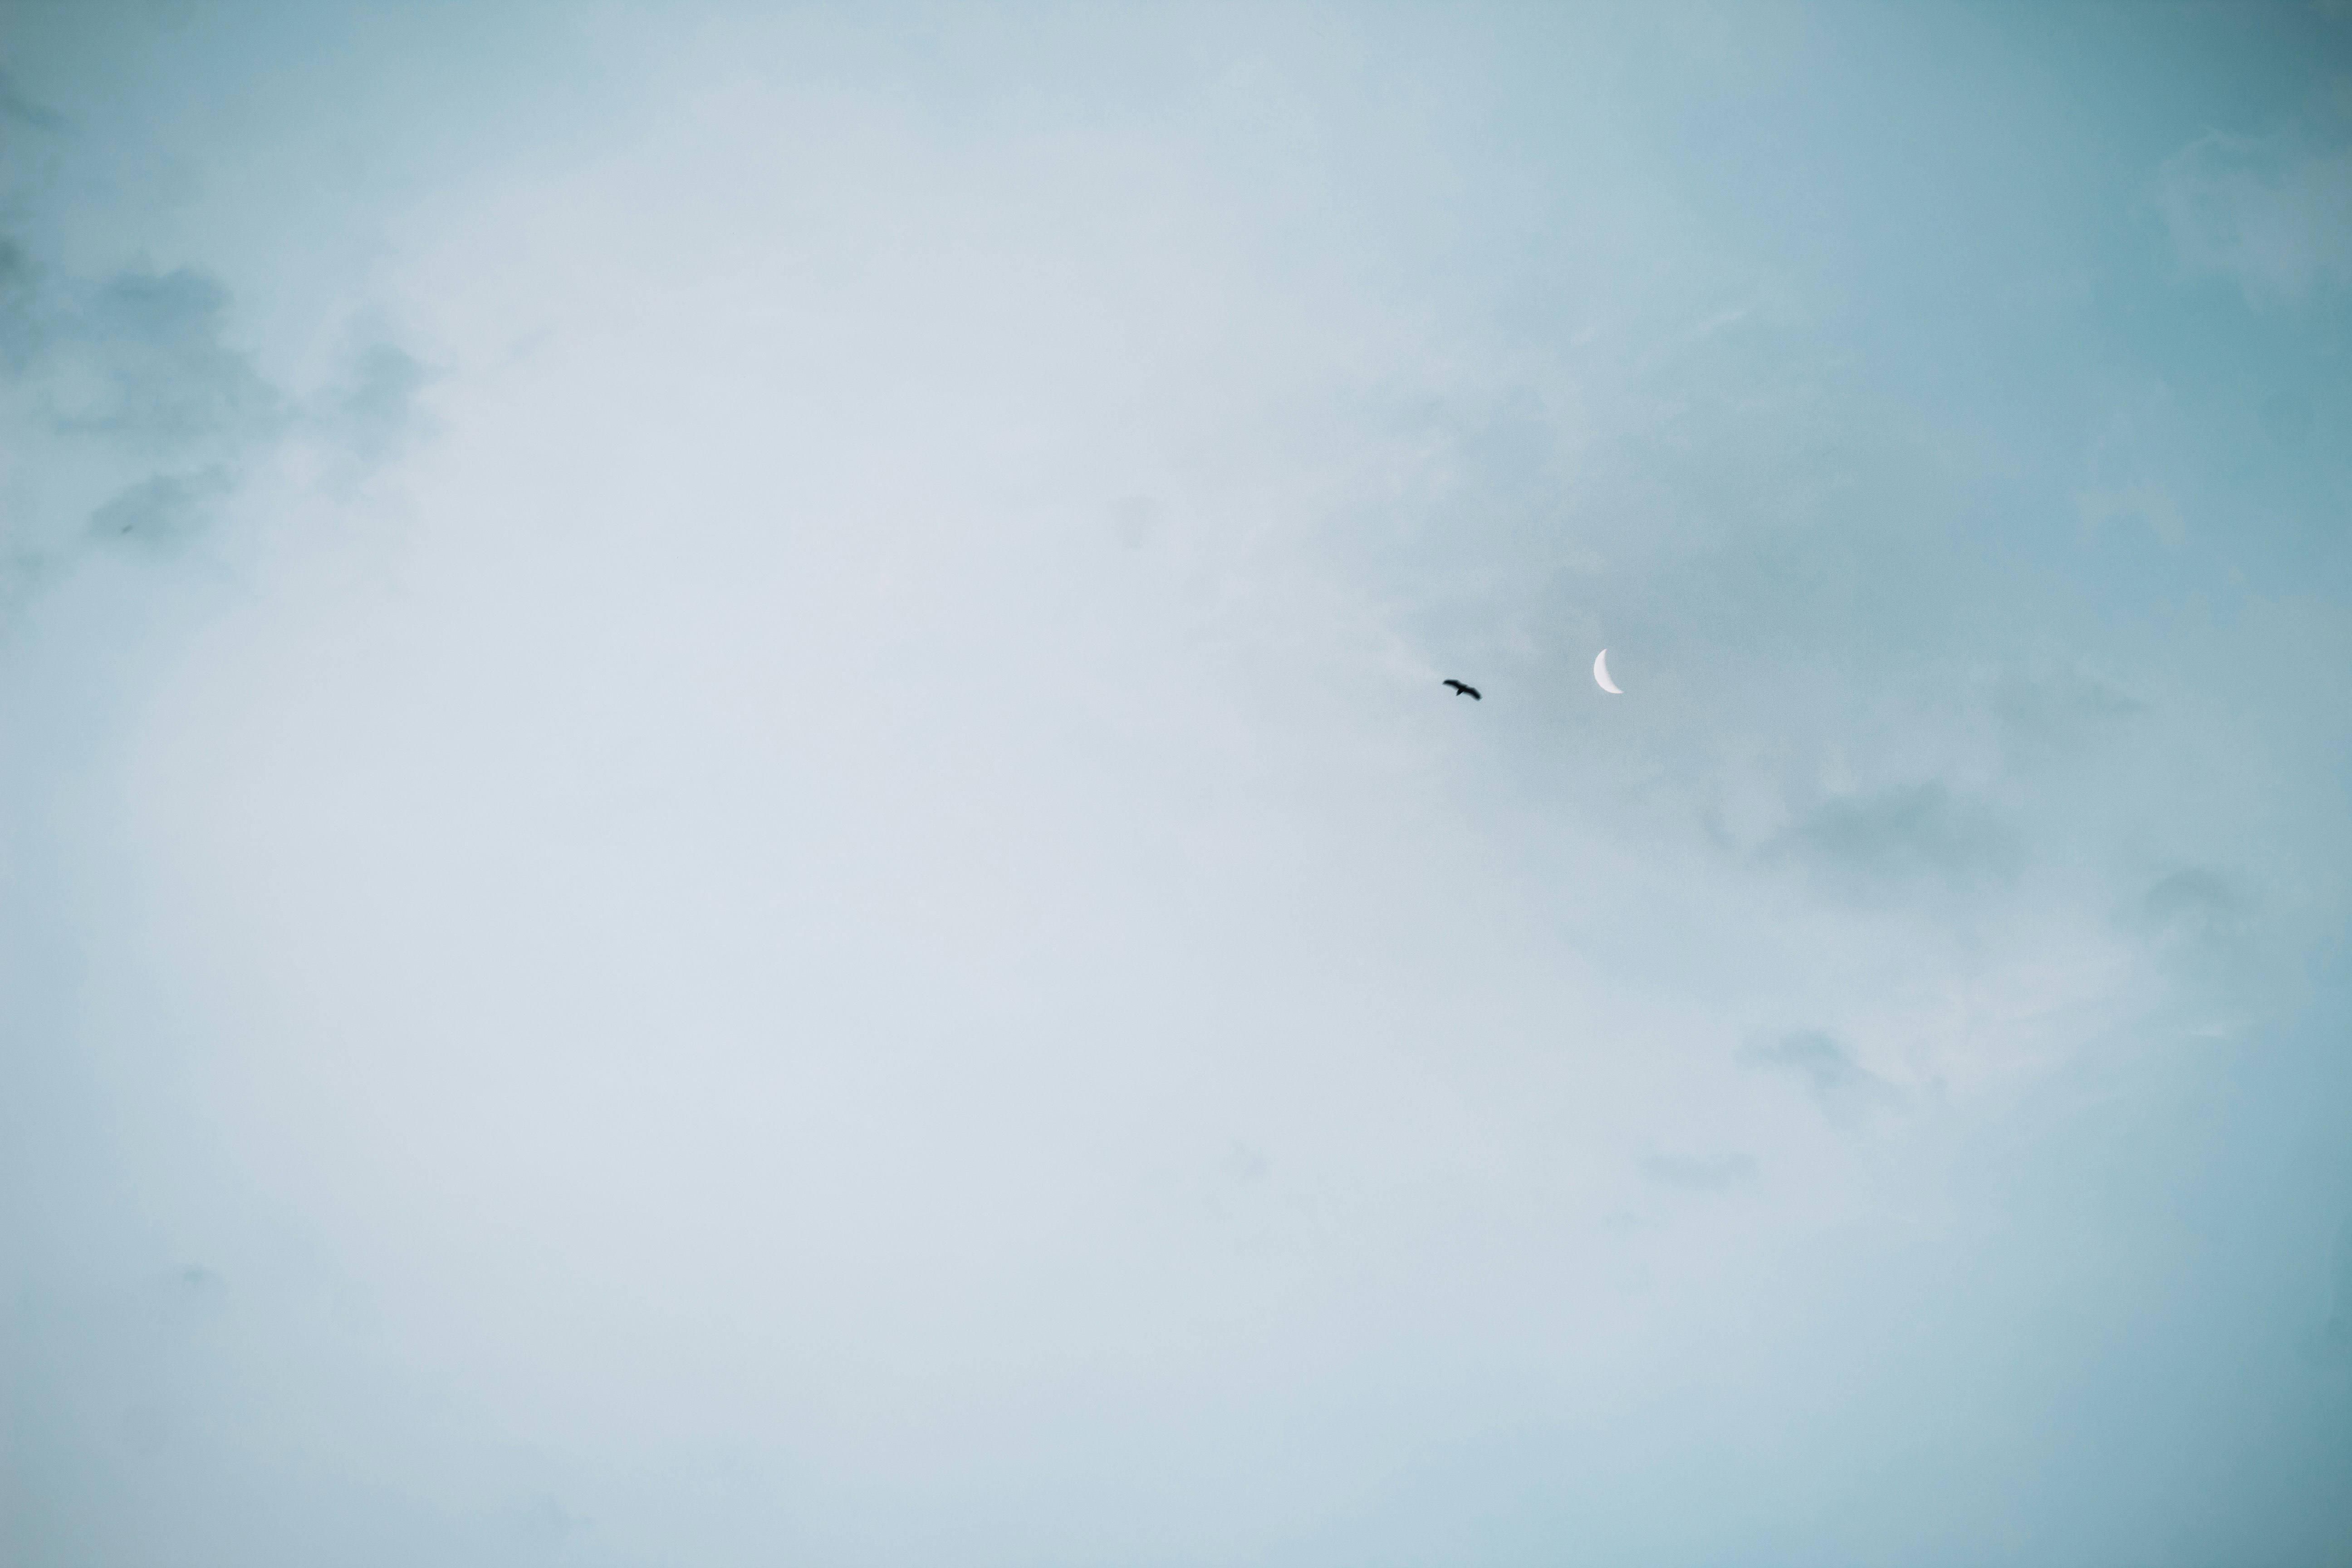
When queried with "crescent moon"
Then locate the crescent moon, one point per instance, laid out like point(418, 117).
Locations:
point(1600, 674)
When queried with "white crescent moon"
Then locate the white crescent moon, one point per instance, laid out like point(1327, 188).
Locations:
point(1600, 674)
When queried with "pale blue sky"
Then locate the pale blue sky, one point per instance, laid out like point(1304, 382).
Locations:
point(727, 835)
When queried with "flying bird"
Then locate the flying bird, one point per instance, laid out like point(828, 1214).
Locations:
point(1462, 690)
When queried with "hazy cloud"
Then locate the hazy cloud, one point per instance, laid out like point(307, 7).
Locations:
point(166, 510)
point(165, 377)
point(1828, 1065)
point(20, 324)
point(138, 414)
point(375, 416)
point(2271, 215)
point(2336, 1333)
point(1904, 832)
point(2288, 420)
point(538, 1519)
point(16, 107)
point(849, 926)
point(2055, 718)
point(2195, 921)
point(135, 413)
point(1699, 1173)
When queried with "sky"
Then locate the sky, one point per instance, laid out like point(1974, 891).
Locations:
point(727, 834)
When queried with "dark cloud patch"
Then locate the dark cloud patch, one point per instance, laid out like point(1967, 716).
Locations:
point(166, 378)
point(162, 512)
point(133, 411)
point(1827, 1064)
point(1904, 833)
point(1699, 1173)
point(136, 415)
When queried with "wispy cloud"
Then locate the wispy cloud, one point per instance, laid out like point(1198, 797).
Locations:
point(1828, 1066)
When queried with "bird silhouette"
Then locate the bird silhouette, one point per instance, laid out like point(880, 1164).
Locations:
point(1462, 690)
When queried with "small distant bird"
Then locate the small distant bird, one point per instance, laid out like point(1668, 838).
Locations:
point(1462, 690)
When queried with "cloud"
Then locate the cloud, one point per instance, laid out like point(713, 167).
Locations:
point(1842, 1085)
point(17, 108)
point(2263, 211)
point(1904, 832)
point(163, 511)
point(138, 414)
point(19, 326)
point(2194, 921)
point(2197, 903)
point(375, 416)
point(538, 1519)
point(2288, 420)
point(2054, 719)
point(166, 379)
point(780, 975)
point(135, 413)
point(2336, 1334)
point(1699, 1173)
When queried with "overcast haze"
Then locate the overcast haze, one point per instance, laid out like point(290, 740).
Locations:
point(728, 836)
